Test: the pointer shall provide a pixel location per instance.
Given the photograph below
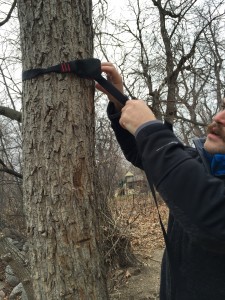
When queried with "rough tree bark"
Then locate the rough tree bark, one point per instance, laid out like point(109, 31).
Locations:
point(58, 151)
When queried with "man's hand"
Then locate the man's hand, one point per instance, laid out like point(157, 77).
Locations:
point(134, 114)
point(114, 77)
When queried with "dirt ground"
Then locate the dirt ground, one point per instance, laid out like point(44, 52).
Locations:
point(140, 218)
point(140, 283)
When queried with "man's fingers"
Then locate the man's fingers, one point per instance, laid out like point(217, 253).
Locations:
point(111, 73)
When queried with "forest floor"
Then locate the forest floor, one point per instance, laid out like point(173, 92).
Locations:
point(138, 217)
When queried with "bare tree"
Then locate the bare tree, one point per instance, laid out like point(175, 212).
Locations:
point(109, 161)
point(10, 119)
point(170, 56)
point(58, 152)
point(9, 12)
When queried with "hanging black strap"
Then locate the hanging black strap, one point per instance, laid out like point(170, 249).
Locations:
point(174, 274)
point(89, 68)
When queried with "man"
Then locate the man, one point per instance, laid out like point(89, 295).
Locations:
point(191, 182)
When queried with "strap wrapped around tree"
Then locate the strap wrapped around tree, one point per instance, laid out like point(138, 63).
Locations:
point(84, 68)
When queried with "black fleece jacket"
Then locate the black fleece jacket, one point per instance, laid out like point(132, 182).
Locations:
point(196, 201)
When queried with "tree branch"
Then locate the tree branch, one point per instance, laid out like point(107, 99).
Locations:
point(191, 121)
point(9, 171)
point(18, 263)
point(9, 13)
point(12, 172)
point(11, 113)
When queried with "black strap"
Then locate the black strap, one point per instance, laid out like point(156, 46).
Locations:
point(174, 274)
point(112, 90)
point(89, 68)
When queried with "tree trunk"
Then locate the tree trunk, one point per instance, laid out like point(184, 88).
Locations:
point(58, 152)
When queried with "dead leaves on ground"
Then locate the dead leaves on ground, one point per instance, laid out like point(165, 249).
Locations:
point(137, 216)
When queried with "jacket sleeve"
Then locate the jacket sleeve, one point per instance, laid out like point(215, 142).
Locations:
point(126, 140)
point(195, 198)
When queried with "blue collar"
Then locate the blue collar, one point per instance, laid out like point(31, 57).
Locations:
point(217, 163)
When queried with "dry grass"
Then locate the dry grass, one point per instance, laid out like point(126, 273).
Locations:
point(137, 217)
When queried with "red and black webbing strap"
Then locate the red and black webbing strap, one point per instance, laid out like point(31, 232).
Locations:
point(89, 68)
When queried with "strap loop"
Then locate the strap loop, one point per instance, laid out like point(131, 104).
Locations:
point(89, 68)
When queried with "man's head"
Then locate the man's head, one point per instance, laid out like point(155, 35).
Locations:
point(215, 140)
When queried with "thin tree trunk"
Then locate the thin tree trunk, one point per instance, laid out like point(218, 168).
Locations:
point(58, 149)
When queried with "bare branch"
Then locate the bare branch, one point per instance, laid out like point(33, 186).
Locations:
point(12, 172)
point(11, 113)
point(18, 262)
point(191, 121)
point(9, 171)
point(9, 13)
